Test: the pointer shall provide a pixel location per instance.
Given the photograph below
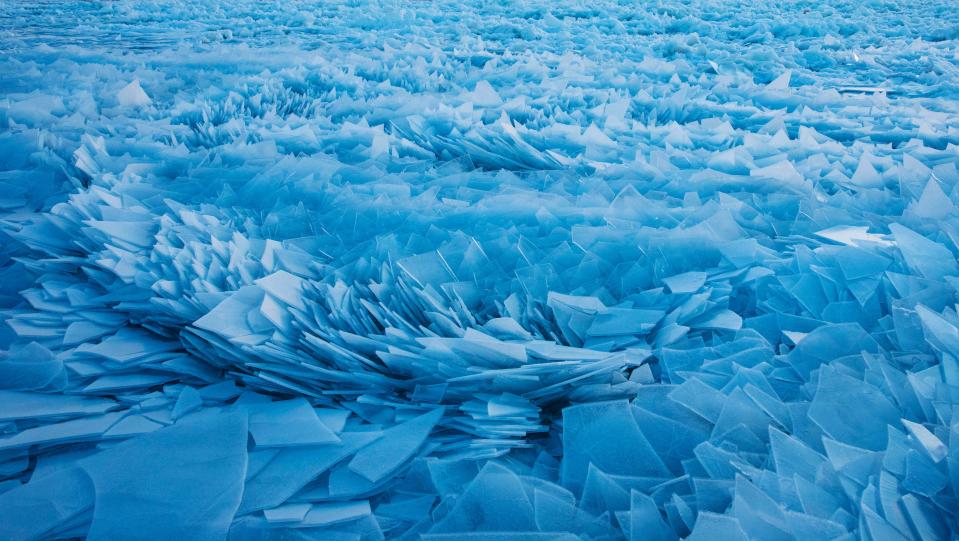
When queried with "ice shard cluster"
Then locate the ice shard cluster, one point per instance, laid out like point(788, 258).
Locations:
point(358, 270)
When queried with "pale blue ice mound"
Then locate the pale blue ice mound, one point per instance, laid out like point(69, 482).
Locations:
point(361, 271)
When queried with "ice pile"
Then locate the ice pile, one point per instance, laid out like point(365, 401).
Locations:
point(351, 271)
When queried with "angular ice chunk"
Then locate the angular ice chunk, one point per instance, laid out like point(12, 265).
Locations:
point(852, 235)
point(83, 429)
point(624, 321)
point(645, 520)
point(485, 95)
point(688, 282)
point(184, 481)
point(31, 367)
point(933, 204)
point(716, 527)
point(133, 95)
point(33, 510)
point(586, 430)
point(781, 82)
point(326, 514)
point(229, 317)
point(495, 500)
point(866, 175)
point(933, 445)
point(866, 411)
point(293, 512)
point(189, 400)
point(285, 287)
point(398, 445)
point(726, 320)
point(295, 467)
point(287, 423)
point(925, 257)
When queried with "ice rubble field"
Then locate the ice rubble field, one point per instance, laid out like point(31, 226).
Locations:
point(355, 271)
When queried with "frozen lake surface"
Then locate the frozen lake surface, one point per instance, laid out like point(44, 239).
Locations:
point(478, 271)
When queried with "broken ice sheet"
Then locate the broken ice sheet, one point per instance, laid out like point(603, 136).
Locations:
point(475, 510)
point(852, 235)
point(688, 282)
point(31, 367)
point(585, 430)
point(528, 225)
point(133, 95)
point(26, 405)
point(924, 256)
point(294, 512)
point(326, 514)
point(866, 411)
point(39, 508)
point(76, 430)
point(620, 321)
point(143, 480)
point(295, 467)
point(397, 445)
point(287, 422)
